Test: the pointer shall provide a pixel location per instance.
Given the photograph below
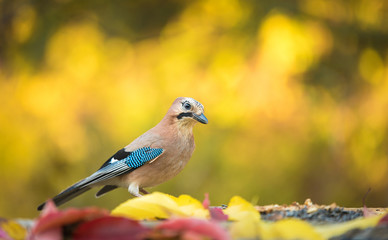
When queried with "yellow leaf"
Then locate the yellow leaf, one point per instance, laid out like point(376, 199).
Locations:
point(337, 229)
point(289, 229)
point(249, 225)
point(160, 206)
point(246, 216)
point(239, 208)
point(151, 206)
point(14, 230)
point(191, 207)
point(246, 228)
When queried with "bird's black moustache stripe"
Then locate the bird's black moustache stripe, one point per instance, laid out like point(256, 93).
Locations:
point(185, 114)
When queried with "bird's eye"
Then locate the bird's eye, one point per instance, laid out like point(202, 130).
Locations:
point(187, 106)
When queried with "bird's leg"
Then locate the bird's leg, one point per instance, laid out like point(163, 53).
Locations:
point(144, 191)
point(134, 190)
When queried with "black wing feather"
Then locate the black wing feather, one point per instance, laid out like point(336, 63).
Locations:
point(119, 155)
point(105, 189)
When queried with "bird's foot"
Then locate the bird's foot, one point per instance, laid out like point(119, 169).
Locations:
point(142, 190)
point(134, 190)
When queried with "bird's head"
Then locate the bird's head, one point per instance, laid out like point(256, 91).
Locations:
point(188, 111)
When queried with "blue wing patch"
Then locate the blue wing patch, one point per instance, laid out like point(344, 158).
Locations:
point(111, 169)
point(141, 156)
point(119, 155)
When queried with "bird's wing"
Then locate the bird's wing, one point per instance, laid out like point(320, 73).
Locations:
point(119, 155)
point(119, 164)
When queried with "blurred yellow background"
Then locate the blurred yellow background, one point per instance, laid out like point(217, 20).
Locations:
point(296, 93)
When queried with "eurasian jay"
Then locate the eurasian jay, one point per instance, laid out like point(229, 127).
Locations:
point(151, 159)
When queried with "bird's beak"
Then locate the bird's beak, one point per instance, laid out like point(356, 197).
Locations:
point(200, 118)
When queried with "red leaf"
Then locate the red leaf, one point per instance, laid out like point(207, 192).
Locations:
point(206, 201)
point(217, 214)
point(110, 227)
point(383, 221)
point(54, 233)
point(52, 219)
point(365, 210)
point(192, 228)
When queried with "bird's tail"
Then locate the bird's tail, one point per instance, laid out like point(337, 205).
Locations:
point(67, 195)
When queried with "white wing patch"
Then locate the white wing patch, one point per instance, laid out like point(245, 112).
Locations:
point(113, 160)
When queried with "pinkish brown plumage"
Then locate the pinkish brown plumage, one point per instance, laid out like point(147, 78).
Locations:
point(151, 159)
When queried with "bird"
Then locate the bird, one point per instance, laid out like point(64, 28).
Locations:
point(151, 159)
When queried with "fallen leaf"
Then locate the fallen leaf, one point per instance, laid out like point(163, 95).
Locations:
point(12, 230)
point(160, 206)
point(238, 209)
point(206, 201)
point(49, 224)
point(54, 233)
point(191, 207)
point(151, 206)
point(337, 229)
point(383, 220)
point(246, 216)
point(289, 229)
point(367, 212)
point(249, 225)
point(110, 227)
point(190, 229)
point(4, 235)
point(217, 214)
